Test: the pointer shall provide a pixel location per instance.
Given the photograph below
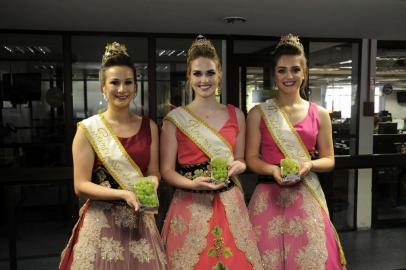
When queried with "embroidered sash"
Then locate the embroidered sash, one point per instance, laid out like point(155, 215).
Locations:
point(110, 151)
point(211, 142)
point(292, 146)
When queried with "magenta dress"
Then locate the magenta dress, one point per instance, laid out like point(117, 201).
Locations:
point(292, 230)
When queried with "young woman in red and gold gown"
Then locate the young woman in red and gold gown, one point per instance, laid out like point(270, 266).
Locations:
point(111, 151)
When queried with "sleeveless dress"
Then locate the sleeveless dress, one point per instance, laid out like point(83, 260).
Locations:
point(110, 234)
point(208, 230)
point(292, 230)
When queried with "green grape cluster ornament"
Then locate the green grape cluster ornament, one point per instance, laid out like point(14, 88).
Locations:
point(289, 169)
point(219, 170)
point(145, 191)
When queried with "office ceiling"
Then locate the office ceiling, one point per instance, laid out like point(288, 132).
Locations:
point(380, 19)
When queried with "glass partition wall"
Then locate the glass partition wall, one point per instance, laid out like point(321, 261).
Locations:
point(333, 84)
point(32, 127)
point(389, 183)
point(36, 117)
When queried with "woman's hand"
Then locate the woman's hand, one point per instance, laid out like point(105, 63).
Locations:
point(154, 180)
point(205, 183)
point(305, 168)
point(236, 167)
point(276, 174)
point(130, 198)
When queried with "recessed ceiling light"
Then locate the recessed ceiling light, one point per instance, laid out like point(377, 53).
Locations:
point(234, 20)
point(30, 49)
point(171, 52)
point(18, 48)
point(8, 49)
point(161, 52)
point(180, 53)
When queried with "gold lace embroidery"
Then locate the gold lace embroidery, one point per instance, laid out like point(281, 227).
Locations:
point(271, 259)
point(261, 203)
point(257, 232)
point(279, 225)
point(295, 227)
point(195, 241)
point(276, 226)
point(111, 250)
point(314, 255)
point(240, 226)
point(89, 236)
point(125, 216)
point(142, 250)
point(177, 226)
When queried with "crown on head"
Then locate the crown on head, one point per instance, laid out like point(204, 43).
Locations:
point(290, 40)
point(200, 40)
point(112, 49)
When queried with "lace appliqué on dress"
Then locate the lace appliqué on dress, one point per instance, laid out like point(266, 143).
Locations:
point(142, 250)
point(111, 250)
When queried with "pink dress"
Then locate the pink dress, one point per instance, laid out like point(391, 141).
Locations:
point(292, 230)
point(110, 234)
point(208, 230)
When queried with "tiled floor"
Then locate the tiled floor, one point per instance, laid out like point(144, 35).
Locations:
point(39, 245)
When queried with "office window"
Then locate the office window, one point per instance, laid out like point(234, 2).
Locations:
point(333, 84)
point(32, 129)
point(391, 82)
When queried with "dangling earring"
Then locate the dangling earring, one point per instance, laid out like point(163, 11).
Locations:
point(105, 97)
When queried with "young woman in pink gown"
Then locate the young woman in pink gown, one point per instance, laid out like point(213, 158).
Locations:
point(290, 218)
point(110, 151)
point(207, 225)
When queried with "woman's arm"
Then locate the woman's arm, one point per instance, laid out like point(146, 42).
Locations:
point(83, 159)
point(238, 166)
point(168, 150)
point(325, 162)
point(253, 144)
point(153, 166)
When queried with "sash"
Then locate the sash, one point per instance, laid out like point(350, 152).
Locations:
point(212, 143)
point(292, 146)
point(110, 151)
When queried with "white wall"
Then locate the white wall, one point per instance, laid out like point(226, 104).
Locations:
point(398, 110)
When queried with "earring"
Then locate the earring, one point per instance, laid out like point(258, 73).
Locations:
point(105, 97)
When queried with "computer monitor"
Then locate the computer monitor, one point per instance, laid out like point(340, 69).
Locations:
point(401, 96)
point(335, 115)
point(387, 128)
